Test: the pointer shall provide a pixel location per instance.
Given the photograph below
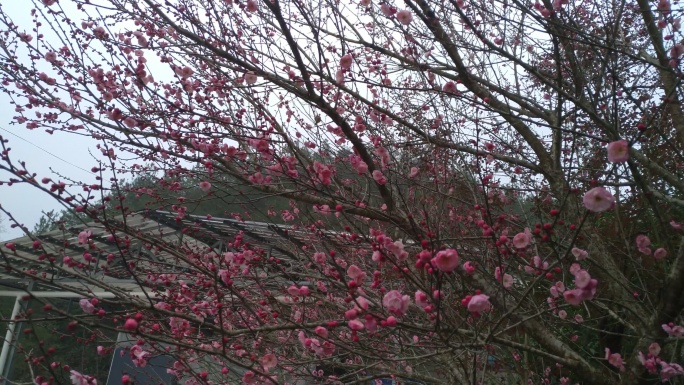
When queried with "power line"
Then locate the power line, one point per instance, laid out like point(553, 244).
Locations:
point(46, 151)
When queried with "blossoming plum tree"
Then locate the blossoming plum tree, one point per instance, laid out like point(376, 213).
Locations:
point(483, 183)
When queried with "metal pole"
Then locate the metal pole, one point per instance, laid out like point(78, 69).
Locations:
point(9, 339)
point(9, 360)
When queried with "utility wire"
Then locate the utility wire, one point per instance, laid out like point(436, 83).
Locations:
point(46, 151)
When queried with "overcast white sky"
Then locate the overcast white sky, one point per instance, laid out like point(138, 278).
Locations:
point(69, 153)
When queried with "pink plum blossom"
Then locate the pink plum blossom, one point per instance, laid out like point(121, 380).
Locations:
point(131, 325)
point(642, 241)
point(507, 281)
point(414, 172)
point(139, 356)
point(249, 377)
point(83, 237)
point(673, 330)
point(387, 10)
point(421, 299)
point(479, 303)
point(615, 359)
point(205, 186)
point(660, 253)
point(250, 77)
point(573, 297)
point(396, 303)
point(51, 57)
point(446, 260)
point(669, 370)
point(449, 87)
point(404, 17)
point(579, 254)
point(81, 379)
point(346, 62)
point(522, 240)
point(269, 361)
point(252, 6)
point(618, 151)
point(598, 199)
point(86, 306)
point(654, 349)
point(355, 273)
point(355, 324)
point(379, 177)
point(321, 331)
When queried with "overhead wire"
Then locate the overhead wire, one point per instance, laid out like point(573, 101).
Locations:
point(45, 151)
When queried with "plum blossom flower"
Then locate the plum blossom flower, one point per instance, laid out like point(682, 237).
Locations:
point(479, 303)
point(582, 279)
point(346, 62)
point(131, 325)
point(205, 186)
point(250, 77)
point(404, 17)
point(81, 379)
point(249, 378)
point(522, 240)
point(293, 290)
point(669, 370)
point(414, 172)
point(355, 273)
point(100, 33)
point(618, 151)
point(664, 6)
point(86, 306)
point(396, 303)
point(654, 349)
point(252, 6)
point(83, 237)
point(573, 297)
point(421, 299)
point(449, 87)
point(615, 359)
point(660, 253)
point(507, 281)
point(51, 57)
point(673, 330)
point(321, 331)
point(387, 10)
point(269, 361)
point(585, 287)
point(355, 325)
point(642, 243)
point(384, 156)
point(139, 356)
point(579, 253)
point(359, 165)
point(397, 248)
point(379, 177)
point(446, 260)
point(598, 199)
